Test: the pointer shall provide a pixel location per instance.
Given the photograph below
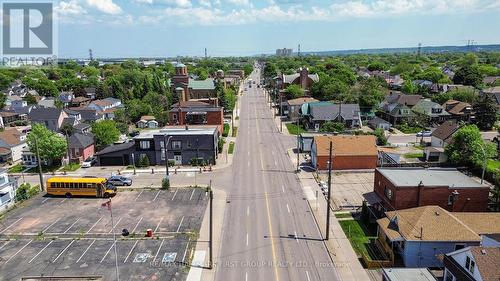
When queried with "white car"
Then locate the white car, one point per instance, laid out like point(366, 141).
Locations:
point(89, 162)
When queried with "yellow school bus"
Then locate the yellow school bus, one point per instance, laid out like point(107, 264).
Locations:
point(88, 186)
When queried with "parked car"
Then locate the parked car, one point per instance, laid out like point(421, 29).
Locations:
point(89, 162)
point(134, 133)
point(119, 180)
point(424, 134)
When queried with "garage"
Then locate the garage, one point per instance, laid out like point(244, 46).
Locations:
point(115, 155)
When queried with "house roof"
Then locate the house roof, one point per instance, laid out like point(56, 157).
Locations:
point(288, 79)
point(207, 84)
point(487, 260)
point(408, 274)
point(455, 107)
point(408, 100)
point(45, 113)
point(68, 120)
point(178, 131)
point(327, 111)
point(377, 121)
point(87, 113)
point(78, 140)
point(147, 118)
point(81, 126)
point(116, 148)
point(492, 90)
point(411, 177)
point(187, 106)
point(425, 106)
point(10, 138)
point(433, 223)
point(445, 130)
point(80, 99)
point(361, 145)
point(301, 101)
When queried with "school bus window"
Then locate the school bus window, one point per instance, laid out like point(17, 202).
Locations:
point(94, 185)
point(80, 185)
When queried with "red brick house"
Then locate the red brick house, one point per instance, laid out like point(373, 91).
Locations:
point(196, 113)
point(403, 188)
point(349, 152)
point(81, 147)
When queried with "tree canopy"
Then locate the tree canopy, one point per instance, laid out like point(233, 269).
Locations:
point(105, 132)
point(50, 145)
point(467, 147)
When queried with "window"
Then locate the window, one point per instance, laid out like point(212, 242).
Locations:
point(448, 276)
point(188, 144)
point(144, 145)
point(388, 193)
point(176, 144)
point(450, 200)
point(469, 264)
point(174, 116)
point(163, 154)
point(459, 246)
point(162, 144)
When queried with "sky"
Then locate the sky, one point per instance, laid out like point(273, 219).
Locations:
point(169, 28)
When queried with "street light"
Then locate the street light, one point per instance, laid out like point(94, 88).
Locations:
point(165, 142)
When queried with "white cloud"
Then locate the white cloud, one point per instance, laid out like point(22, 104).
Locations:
point(71, 7)
point(105, 6)
point(144, 1)
point(205, 3)
point(239, 2)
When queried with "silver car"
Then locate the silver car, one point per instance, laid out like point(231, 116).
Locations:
point(119, 180)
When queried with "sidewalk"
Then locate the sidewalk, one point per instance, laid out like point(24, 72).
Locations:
point(347, 264)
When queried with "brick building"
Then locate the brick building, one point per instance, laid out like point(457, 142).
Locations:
point(349, 152)
point(196, 113)
point(187, 88)
point(403, 188)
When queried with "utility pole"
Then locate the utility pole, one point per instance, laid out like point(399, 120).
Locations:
point(210, 265)
point(39, 165)
point(298, 149)
point(329, 193)
point(281, 113)
point(91, 57)
point(206, 53)
point(165, 141)
point(298, 53)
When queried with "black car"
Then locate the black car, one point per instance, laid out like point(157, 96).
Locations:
point(134, 133)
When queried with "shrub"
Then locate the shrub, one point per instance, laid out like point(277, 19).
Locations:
point(26, 191)
point(143, 161)
point(225, 133)
point(171, 163)
point(165, 183)
point(220, 144)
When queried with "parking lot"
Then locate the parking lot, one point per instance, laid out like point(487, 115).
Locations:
point(54, 236)
point(349, 189)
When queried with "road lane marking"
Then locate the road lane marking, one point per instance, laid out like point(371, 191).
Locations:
point(139, 195)
point(247, 239)
point(156, 196)
point(248, 163)
point(19, 251)
point(192, 193)
point(283, 189)
point(107, 252)
point(275, 163)
point(113, 228)
point(180, 224)
point(11, 225)
point(246, 276)
point(248, 211)
point(175, 193)
point(63, 200)
point(84, 252)
point(287, 208)
point(185, 252)
point(48, 244)
point(45, 230)
point(88, 231)
point(307, 275)
point(296, 238)
point(73, 224)
point(130, 252)
point(158, 225)
point(159, 248)
point(133, 230)
point(44, 200)
point(64, 250)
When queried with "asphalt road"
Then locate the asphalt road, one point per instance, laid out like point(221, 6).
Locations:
point(268, 232)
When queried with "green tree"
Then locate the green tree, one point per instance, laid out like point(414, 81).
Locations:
point(485, 112)
point(121, 119)
point(465, 149)
point(50, 145)
point(30, 99)
point(90, 71)
point(377, 65)
point(371, 93)
point(381, 138)
point(409, 88)
point(294, 91)
point(468, 75)
point(248, 68)
point(332, 127)
point(67, 129)
point(5, 80)
point(143, 161)
point(3, 99)
point(94, 63)
point(105, 132)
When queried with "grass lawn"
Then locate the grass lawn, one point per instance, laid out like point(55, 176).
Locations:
point(358, 235)
point(16, 168)
point(230, 149)
point(292, 129)
point(343, 215)
point(414, 155)
point(45, 169)
point(71, 167)
point(493, 165)
point(235, 132)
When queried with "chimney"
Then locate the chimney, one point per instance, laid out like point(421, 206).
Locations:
point(181, 94)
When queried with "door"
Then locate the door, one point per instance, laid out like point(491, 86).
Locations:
point(178, 159)
point(316, 127)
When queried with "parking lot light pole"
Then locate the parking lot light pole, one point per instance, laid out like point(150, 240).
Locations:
point(39, 165)
point(210, 237)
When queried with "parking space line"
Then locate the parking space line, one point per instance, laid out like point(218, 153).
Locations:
point(113, 228)
point(247, 238)
point(107, 252)
point(296, 238)
point(192, 193)
point(159, 248)
point(283, 188)
point(63, 200)
point(248, 211)
point(34, 257)
point(130, 252)
point(175, 193)
point(156, 196)
point(64, 250)
point(287, 208)
point(185, 252)
point(139, 195)
point(307, 275)
point(45, 230)
point(11, 257)
point(44, 200)
point(180, 224)
point(83, 254)
point(71, 225)
point(5, 244)
point(158, 225)
point(11, 225)
point(133, 230)
point(88, 231)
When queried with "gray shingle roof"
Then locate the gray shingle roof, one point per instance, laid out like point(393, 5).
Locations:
point(78, 140)
point(116, 147)
point(323, 112)
point(43, 113)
